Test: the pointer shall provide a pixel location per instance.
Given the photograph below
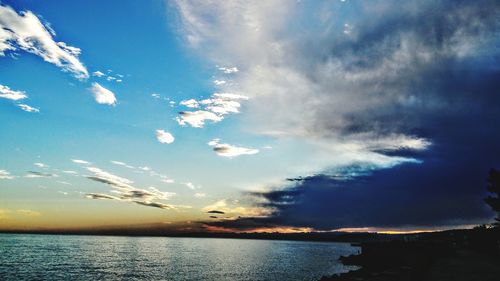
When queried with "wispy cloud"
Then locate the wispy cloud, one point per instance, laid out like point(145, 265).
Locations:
point(101, 196)
point(26, 32)
point(79, 161)
point(109, 178)
point(164, 137)
point(35, 174)
point(28, 108)
point(156, 205)
point(119, 163)
point(124, 191)
point(230, 151)
point(102, 95)
point(5, 175)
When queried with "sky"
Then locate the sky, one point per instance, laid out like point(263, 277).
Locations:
point(248, 115)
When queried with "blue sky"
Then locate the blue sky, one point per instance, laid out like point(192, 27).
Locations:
point(165, 110)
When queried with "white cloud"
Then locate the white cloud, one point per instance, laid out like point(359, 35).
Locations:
point(102, 95)
point(109, 178)
point(164, 137)
point(227, 150)
point(28, 108)
point(98, 73)
point(219, 82)
point(233, 207)
point(69, 172)
point(155, 95)
point(25, 31)
point(167, 180)
point(192, 103)
point(223, 103)
point(79, 161)
point(5, 175)
point(7, 93)
point(229, 70)
point(190, 185)
point(214, 108)
point(197, 118)
point(119, 163)
point(199, 195)
point(41, 165)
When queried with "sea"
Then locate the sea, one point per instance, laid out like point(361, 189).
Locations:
point(76, 257)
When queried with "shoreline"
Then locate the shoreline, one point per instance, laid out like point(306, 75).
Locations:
point(452, 255)
point(339, 237)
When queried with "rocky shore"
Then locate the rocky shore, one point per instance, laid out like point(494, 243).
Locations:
point(459, 255)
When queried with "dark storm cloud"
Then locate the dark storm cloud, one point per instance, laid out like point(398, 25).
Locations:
point(428, 69)
point(405, 63)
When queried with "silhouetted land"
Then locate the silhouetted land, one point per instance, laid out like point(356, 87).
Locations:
point(310, 236)
point(458, 255)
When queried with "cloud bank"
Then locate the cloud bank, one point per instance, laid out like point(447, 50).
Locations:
point(383, 83)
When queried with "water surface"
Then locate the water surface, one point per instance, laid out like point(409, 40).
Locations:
point(68, 257)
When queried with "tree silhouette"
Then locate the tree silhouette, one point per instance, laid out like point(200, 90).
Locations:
point(494, 187)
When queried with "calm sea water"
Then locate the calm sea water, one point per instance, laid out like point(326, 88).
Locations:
point(58, 257)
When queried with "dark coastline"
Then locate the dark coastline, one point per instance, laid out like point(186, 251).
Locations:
point(458, 255)
point(346, 237)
